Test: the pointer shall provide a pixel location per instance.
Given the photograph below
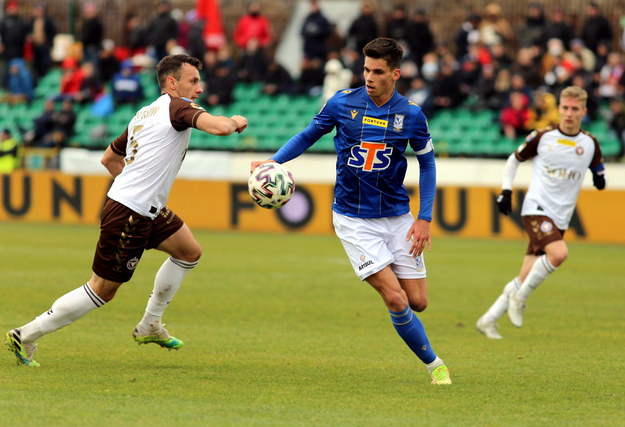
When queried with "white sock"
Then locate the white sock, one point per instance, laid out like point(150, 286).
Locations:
point(500, 306)
point(65, 310)
point(166, 284)
point(538, 273)
point(435, 364)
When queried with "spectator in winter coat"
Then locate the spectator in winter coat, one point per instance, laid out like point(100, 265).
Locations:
point(419, 36)
point(596, 27)
point(514, 117)
point(126, 85)
point(364, 28)
point(92, 32)
point(315, 31)
point(13, 34)
point(42, 32)
point(21, 86)
point(252, 26)
point(161, 29)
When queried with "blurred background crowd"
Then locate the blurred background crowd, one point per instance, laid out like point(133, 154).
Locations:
point(71, 65)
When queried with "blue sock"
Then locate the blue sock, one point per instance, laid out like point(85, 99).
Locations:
point(411, 330)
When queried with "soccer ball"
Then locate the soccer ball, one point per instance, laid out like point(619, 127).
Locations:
point(271, 185)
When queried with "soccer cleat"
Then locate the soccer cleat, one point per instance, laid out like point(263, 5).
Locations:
point(159, 336)
point(515, 310)
point(440, 375)
point(489, 329)
point(23, 353)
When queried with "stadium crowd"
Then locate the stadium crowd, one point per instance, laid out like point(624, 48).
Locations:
point(486, 64)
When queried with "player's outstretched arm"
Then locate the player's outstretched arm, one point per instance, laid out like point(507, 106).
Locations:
point(419, 234)
point(221, 125)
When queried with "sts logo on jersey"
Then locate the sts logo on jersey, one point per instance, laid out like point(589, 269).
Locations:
point(370, 156)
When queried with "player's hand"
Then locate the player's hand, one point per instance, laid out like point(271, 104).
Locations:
point(504, 202)
point(419, 234)
point(256, 163)
point(241, 123)
point(598, 179)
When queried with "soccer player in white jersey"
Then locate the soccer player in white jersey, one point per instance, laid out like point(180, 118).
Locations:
point(144, 161)
point(371, 212)
point(561, 154)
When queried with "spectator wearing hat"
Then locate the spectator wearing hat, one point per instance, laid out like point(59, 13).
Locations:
point(161, 29)
point(91, 33)
point(467, 35)
point(315, 31)
point(337, 77)
point(534, 30)
point(617, 123)
point(20, 87)
point(596, 27)
point(13, 35)
point(585, 55)
point(126, 85)
point(71, 79)
point(42, 31)
point(515, 116)
point(252, 35)
point(363, 29)
point(610, 77)
point(544, 111)
point(495, 27)
point(278, 80)
point(397, 23)
point(52, 128)
point(559, 28)
point(419, 36)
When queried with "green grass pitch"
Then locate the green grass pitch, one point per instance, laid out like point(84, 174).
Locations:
point(278, 331)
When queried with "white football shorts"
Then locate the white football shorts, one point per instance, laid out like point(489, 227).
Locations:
point(373, 243)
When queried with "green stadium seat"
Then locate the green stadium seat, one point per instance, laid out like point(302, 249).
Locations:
point(246, 91)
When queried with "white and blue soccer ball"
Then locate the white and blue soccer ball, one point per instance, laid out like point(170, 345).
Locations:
point(271, 185)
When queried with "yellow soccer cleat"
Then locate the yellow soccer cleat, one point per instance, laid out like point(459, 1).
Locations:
point(440, 375)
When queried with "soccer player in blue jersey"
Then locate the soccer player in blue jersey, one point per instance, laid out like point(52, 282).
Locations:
point(371, 212)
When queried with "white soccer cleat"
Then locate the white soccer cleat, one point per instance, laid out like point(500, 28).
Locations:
point(157, 335)
point(515, 309)
point(489, 329)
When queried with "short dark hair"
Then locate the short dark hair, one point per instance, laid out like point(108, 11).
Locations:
point(171, 65)
point(385, 48)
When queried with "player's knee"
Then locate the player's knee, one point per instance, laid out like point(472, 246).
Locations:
point(396, 300)
point(192, 254)
point(197, 253)
point(104, 289)
point(419, 305)
point(557, 258)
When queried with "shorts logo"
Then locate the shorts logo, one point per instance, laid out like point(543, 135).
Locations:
point(546, 227)
point(132, 263)
point(419, 262)
point(365, 265)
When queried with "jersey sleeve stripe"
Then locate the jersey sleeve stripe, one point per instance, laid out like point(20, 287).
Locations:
point(428, 147)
